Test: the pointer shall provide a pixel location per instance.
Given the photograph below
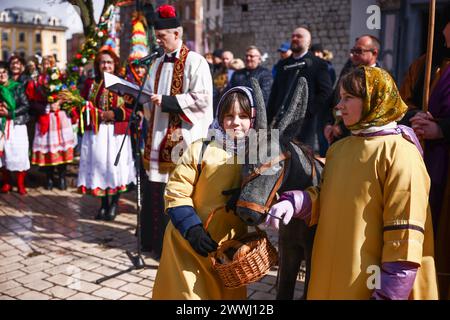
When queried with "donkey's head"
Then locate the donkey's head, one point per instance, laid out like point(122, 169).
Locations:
point(263, 177)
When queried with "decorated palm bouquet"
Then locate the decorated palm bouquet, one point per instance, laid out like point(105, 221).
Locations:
point(58, 89)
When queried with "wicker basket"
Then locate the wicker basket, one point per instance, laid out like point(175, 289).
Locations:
point(249, 268)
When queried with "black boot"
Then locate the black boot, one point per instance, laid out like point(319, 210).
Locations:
point(49, 173)
point(62, 177)
point(101, 214)
point(113, 208)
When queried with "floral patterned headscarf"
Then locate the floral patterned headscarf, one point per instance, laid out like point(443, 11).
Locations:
point(382, 103)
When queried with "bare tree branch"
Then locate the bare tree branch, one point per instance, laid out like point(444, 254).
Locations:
point(86, 14)
point(86, 11)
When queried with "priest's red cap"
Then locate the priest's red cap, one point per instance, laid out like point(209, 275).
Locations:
point(166, 18)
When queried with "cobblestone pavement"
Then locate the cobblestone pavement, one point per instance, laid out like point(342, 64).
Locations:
point(52, 248)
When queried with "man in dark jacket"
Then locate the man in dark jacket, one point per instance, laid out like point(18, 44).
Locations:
point(319, 87)
point(253, 69)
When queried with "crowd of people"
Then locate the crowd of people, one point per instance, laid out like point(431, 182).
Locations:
point(383, 200)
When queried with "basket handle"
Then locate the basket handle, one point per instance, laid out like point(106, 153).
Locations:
point(213, 212)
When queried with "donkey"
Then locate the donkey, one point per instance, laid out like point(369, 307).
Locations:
point(293, 168)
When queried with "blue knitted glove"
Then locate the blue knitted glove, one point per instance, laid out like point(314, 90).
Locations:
point(183, 218)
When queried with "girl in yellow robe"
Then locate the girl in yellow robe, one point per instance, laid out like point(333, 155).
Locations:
point(194, 190)
point(374, 234)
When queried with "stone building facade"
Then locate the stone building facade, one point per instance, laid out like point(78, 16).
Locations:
point(212, 25)
point(236, 24)
point(402, 27)
point(268, 23)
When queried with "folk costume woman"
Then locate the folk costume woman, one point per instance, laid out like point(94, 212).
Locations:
point(13, 131)
point(185, 271)
point(104, 121)
point(374, 235)
point(54, 140)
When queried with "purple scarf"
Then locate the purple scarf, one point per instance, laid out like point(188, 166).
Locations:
point(405, 131)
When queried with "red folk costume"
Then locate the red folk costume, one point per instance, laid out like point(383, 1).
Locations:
point(54, 138)
point(101, 142)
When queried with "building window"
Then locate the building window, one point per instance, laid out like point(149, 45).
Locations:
point(207, 24)
point(218, 4)
point(208, 5)
point(38, 38)
point(22, 54)
point(4, 17)
point(5, 36)
point(5, 55)
point(53, 21)
point(54, 39)
point(21, 37)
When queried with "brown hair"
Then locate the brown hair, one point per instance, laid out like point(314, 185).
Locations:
point(16, 57)
point(354, 83)
point(228, 103)
point(98, 74)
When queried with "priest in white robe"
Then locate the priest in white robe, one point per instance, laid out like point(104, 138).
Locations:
point(180, 112)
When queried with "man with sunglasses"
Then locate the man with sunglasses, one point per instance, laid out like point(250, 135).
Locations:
point(253, 69)
point(365, 52)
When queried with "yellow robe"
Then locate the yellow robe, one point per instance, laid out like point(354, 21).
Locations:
point(182, 273)
point(370, 186)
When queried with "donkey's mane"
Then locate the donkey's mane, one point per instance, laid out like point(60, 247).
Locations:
point(306, 149)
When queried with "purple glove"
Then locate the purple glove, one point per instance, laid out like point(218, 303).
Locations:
point(292, 204)
point(397, 280)
point(283, 210)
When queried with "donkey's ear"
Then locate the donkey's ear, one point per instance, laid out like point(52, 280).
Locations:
point(261, 117)
point(295, 114)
